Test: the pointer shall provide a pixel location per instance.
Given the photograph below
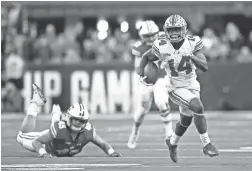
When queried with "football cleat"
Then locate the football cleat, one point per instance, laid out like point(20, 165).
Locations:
point(172, 150)
point(132, 143)
point(210, 150)
point(38, 97)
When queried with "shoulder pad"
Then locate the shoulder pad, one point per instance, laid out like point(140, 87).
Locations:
point(161, 35)
point(56, 127)
point(90, 130)
point(89, 126)
point(137, 44)
point(140, 48)
point(155, 48)
point(195, 42)
point(136, 51)
point(193, 38)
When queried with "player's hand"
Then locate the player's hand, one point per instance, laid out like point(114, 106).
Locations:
point(116, 154)
point(143, 80)
point(45, 155)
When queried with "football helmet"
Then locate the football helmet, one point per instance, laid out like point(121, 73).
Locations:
point(175, 28)
point(80, 114)
point(148, 32)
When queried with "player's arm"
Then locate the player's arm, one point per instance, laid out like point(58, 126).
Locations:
point(200, 61)
point(105, 146)
point(198, 57)
point(43, 139)
point(147, 56)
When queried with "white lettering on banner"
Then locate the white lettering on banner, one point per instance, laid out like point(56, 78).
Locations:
point(118, 90)
point(26, 92)
point(79, 94)
point(122, 88)
point(98, 94)
point(52, 87)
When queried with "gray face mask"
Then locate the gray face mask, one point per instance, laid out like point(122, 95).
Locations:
point(149, 39)
point(175, 34)
point(76, 124)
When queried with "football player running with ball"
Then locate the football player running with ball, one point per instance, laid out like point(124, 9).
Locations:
point(148, 32)
point(65, 137)
point(181, 54)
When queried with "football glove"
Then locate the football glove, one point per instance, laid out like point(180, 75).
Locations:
point(115, 154)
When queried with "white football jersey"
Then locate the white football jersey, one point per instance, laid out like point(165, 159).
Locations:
point(177, 63)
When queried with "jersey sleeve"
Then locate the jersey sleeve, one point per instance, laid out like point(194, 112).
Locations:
point(161, 35)
point(91, 130)
point(155, 48)
point(94, 132)
point(136, 49)
point(56, 127)
point(197, 44)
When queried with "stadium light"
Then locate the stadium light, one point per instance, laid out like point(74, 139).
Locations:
point(102, 35)
point(102, 25)
point(124, 26)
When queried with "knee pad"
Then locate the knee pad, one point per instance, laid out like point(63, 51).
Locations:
point(196, 106)
point(185, 120)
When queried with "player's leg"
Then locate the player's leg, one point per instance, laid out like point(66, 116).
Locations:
point(201, 124)
point(146, 97)
point(26, 139)
point(37, 101)
point(178, 96)
point(180, 128)
point(161, 98)
point(189, 99)
point(25, 136)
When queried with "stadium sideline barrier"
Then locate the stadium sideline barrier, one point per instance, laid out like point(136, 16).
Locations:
point(109, 88)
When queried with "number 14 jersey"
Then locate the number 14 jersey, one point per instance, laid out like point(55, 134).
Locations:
point(177, 63)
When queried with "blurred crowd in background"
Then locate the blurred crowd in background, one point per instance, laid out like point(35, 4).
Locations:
point(71, 45)
point(75, 44)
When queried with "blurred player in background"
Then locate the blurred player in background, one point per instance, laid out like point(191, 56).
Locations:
point(66, 136)
point(14, 69)
point(148, 32)
point(181, 54)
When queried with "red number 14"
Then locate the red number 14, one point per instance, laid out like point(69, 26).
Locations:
point(184, 65)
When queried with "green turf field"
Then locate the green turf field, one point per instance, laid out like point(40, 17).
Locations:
point(228, 131)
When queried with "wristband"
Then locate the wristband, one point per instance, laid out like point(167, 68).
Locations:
point(42, 151)
point(111, 151)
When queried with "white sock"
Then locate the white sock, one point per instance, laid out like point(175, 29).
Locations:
point(174, 139)
point(167, 120)
point(168, 128)
point(32, 109)
point(204, 139)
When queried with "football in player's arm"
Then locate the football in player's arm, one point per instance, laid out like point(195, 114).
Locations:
point(48, 136)
point(197, 57)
